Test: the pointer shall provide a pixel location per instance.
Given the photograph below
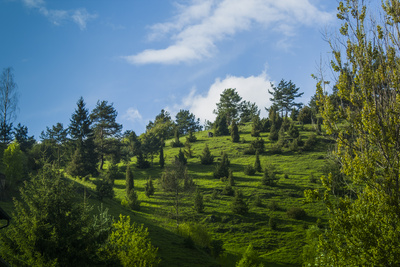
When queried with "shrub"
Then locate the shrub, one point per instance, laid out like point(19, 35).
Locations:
point(191, 138)
point(274, 133)
point(313, 179)
point(249, 151)
point(257, 163)
point(265, 125)
point(249, 170)
point(149, 188)
point(273, 205)
point(310, 142)
point(104, 189)
point(222, 169)
point(231, 179)
point(257, 202)
point(269, 177)
point(198, 201)
point(258, 145)
point(272, 223)
point(181, 157)
point(133, 200)
point(216, 247)
point(296, 213)
point(228, 191)
point(293, 131)
point(196, 232)
point(235, 132)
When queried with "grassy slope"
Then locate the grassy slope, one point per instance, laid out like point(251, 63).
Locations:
point(281, 247)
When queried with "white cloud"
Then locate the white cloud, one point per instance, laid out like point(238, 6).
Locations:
point(78, 16)
point(132, 115)
point(198, 26)
point(252, 88)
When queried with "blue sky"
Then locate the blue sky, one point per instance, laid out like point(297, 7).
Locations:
point(144, 56)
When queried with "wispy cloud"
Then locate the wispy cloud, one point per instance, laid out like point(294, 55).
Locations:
point(198, 27)
point(57, 17)
point(252, 88)
point(132, 115)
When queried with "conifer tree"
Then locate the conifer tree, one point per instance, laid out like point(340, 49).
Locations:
point(257, 163)
point(235, 132)
point(130, 184)
point(181, 157)
point(149, 188)
point(221, 126)
point(231, 178)
point(162, 160)
point(222, 169)
point(198, 201)
point(256, 127)
point(206, 158)
point(293, 131)
point(274, 133)
point(239, 206)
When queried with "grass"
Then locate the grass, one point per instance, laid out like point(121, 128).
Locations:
point(279, 247)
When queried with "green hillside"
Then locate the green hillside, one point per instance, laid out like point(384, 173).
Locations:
point(280, 247)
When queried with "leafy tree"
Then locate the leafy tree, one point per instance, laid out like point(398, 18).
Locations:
point(21, 136)
point(8, 104)
point(149, 188)
point(222, 168)
point(206, 158)
point(14, 165)
point(284, 95)
point(239, 206)
point(364, 230)
point(105, 128)
point(130, 244)
point(198, 201)
point(48, 220)
point(221, 126)
point(186, 122)
point(130, 183)
point(235, 132)
point(228, 105)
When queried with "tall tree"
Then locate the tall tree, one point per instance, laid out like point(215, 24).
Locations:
point(56, 138)
point(105, 128)
point(284, 95)
point(82, 137)
point(8, 104)
point(364, 230)
point(21, 136)
point(248, 111)
point(229, 105)
point(186, 122)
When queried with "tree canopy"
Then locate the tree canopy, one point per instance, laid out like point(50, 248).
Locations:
point(284, 95)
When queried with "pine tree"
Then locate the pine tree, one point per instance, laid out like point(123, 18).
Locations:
point(293, 131)
point(256, 127)
point(221, 126)
point(206, 158)
point(222, 169)
point(239, 206)
point(133, 200)
point(198, 201)
point(235, 132)
point(149, 188)
point(181, 157)
point(274, 133)
point(130, 184)
point(257, 163)
point(231, 178)
point(162, 160)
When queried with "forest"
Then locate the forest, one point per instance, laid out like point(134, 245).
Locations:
point(309, 185)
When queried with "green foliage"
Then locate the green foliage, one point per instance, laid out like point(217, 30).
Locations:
point(216, 247)
point(228, 106)
point(149, 187)
point(272, 223)
point(141, 162)
point(257, 163)
point(248, 111)
point(14, 165)
point(105, 129)
point(186, 122)
point(198, 201)
point(258, 145)
point(269, 177)
point(250, 258)
point(181, 157)
point(283, 96)
point(197, 232)
point(249, 170)
point(228, 191)
point(310, 142)
point(221, 126)
point(256, 127)
point(176, 142)
point(265, 125)
point(133, 201)
point(21, 136)
point(129, 182)
point(188, 149)
point(293, 131)
point(206, 158)
point(161, 160)
point(191, 138)
point(310, 248)
point(222, 168)
point(296, 213)
point(235, 132)
point(231, 178)
point(104, 188)
point(238, 205)
point(305, 115)
point(274, 133)
point(129, 243)
point(47, 220)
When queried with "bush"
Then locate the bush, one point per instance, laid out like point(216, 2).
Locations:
point(191, 138)
point(222, 169)
point(269, 177)
point(133, 200)
point(257, 163)
point(196, 232)
point(216, 247)
point(296, 213)
point(272, 223)
point(310, 142)
point(257, 202)
point(104, 189)
point(149, 188)
point(228, 191)
point(249, 170)
point(198, 201)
